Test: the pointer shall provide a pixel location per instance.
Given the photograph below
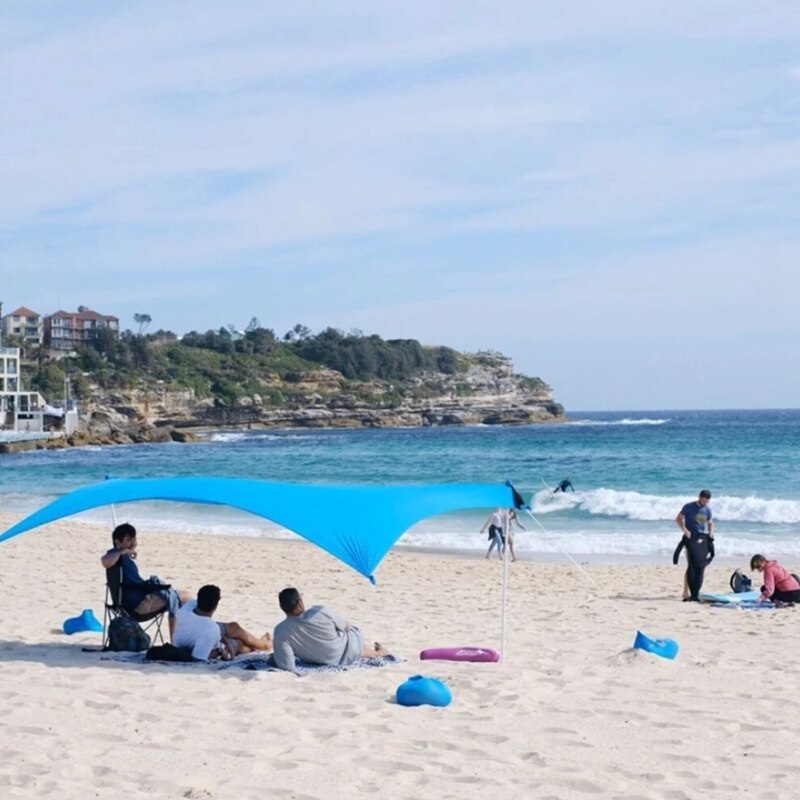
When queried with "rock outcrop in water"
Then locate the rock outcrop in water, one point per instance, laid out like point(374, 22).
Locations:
point(486, 392)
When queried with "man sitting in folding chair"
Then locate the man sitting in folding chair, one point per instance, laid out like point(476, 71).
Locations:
point(143, 600)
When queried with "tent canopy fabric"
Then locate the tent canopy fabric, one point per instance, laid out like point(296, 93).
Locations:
point(356, 524)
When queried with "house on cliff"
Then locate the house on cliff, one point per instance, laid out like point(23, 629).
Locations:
point(65, 330)
point(23, 324)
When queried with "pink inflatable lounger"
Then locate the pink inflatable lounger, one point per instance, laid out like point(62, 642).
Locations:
point(460, 654)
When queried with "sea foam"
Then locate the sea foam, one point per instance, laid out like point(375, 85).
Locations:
point(589, 423)
point(652, 508)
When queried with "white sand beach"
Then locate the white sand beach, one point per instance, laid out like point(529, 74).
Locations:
point(570, 713)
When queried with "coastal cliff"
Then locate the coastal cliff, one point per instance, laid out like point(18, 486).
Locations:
point(486, 392)
point(160, 388)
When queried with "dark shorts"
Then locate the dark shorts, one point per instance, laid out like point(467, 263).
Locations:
point(498, 532)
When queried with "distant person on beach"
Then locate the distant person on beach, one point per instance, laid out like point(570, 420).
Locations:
point(564, 485)
point(136, 596)
point(196, 630)
point(496, 525)
point(696, 525)
point(318, 635)
point(780, 585)
point(513, 519)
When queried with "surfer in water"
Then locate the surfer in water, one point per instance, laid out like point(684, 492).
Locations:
point(695, 522)
point(564, 485)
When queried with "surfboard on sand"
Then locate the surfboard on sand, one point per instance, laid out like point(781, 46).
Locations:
point(730, 597)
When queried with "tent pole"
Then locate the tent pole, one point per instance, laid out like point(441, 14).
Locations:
point(506, 529)
point(113, 510)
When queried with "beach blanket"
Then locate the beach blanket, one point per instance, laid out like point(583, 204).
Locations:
point(264, 663)
point(261, 662)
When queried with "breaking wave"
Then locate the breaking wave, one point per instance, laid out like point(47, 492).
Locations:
point(654, 508)
point(625, 421)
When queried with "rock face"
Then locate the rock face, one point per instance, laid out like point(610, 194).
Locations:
point(488, 393)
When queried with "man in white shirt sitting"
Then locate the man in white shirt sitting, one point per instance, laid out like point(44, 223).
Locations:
point(196, 630)
point(318, 635)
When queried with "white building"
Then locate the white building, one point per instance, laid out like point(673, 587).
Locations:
point(21, 411)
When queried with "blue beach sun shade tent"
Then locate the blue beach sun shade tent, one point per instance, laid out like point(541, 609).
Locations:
point(356, 524)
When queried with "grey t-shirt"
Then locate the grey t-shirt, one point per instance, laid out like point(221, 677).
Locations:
point(318, 636)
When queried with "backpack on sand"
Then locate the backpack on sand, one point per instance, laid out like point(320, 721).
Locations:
point(740, 582)
point(125, 633)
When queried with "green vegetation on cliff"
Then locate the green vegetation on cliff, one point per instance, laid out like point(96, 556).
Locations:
point(226, 365)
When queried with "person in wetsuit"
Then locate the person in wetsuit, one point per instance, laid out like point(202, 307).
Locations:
point(563, 486)
point(676, 557)
point(695, 522)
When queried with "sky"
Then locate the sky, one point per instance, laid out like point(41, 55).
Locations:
point(608, 193)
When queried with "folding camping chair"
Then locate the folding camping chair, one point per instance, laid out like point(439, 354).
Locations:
point(114, 607)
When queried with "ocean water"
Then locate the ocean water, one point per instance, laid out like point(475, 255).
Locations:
point(632, 472)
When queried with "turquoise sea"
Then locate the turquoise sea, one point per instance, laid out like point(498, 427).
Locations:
point(632, 471)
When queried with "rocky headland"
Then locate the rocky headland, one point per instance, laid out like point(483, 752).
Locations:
point(487, 392)
point(159, 388)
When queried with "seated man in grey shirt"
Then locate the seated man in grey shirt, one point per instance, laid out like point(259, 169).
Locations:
point(318, 635)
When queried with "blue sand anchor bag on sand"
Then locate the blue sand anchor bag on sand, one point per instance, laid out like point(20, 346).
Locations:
point(85, 621)
point(419, 690)
point(665, 648)
point(126, 634)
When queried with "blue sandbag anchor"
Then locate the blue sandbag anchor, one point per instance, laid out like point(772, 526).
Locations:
point(666, 648)
point(419, 690)
point(85, 621)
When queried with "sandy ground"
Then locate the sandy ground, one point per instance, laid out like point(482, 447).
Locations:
point(570, 713)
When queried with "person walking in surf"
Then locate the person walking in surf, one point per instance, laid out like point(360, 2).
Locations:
point(511, 520)
point(496, 525)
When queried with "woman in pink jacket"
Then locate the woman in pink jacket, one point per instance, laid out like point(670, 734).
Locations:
point(780, 586)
